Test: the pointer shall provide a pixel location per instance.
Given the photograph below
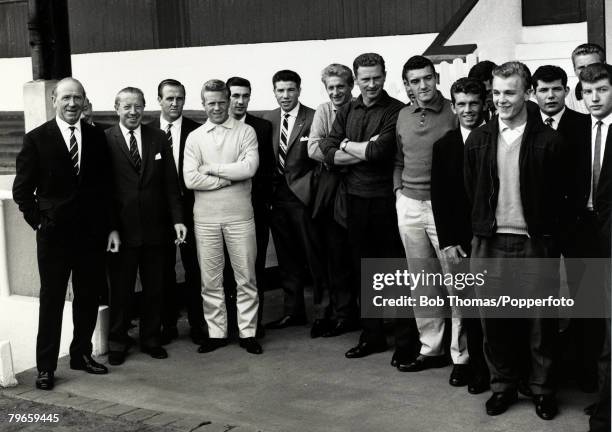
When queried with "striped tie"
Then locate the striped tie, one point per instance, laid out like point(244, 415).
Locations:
point(282, 148)
point(596, 159)
point(134, 154)
point(74, 151)
point(549, 122)
point(169, 134)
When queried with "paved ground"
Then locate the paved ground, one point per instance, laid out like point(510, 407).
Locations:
point(298, 384)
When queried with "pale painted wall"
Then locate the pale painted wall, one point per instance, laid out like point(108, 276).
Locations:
point(495, 25)
point(103, 74)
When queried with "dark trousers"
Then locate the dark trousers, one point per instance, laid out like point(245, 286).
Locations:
point(373, 233)
point(188, 294)
point(507, 340)
point(59, 253)
point(335, 246)
point(478, 364)
point(151, 262)
point(298, 249)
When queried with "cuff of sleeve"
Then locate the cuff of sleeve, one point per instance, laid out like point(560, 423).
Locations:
point(447, 248)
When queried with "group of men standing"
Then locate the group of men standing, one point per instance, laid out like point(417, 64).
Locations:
point(364, 177)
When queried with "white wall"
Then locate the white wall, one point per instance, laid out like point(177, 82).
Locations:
point(103, 74)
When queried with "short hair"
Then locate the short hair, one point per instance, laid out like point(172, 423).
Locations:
point(338, 70)
point(215, 85)
point(239, 82)
point(588, 48)
point(169, 82)
point(547, 74)
point(482, 71)
point(368, 59)
point(468, 86)
point(54, 89)
point(595, 72)
point(286, 75)
point(132, 90)
point(417, 62)
point(508, 69)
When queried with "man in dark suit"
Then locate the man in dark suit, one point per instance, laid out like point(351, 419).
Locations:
point(550, 88)
point(596, 81)
point(171, 98)
point(147, 201)
point(292, 227)
point(261, 195)
point(451, 212)
point(62, 188)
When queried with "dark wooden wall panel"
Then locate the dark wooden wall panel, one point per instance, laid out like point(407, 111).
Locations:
point(14, 38)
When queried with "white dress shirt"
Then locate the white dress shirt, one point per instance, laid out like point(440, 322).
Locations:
point(465, 132)
point(556, 118)
point(604, 136)
point(65, 130)
point(126, 135)
point(175, 131)
point(291, 120)
point(510, 135)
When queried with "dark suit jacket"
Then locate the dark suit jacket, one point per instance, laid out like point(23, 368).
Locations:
point(49, 193)
point(147, 202)
point(603, 197)
point(299, 167)
point(262, 182)
point(449, 201)
point(187, 127)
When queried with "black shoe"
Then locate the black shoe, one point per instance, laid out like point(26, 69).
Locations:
point(399, 358)
point(365, 349)
point(286, 321)
point(115, 358)
point(45, 380)
point(251, 345)
point(156, 352)
point(168, 334)
point(545, 406)
point(423, 362)
point(459, 375)
point(320, 327)
point(261, 331)
point(197, 335)
point(342, 326)
point(212, 344)
point(523, 388)
point(499, 402)
point(478, 384)
point(87, 364)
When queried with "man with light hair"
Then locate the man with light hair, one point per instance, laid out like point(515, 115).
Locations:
point(220, 159)
point(341, 314)
point(582, 56)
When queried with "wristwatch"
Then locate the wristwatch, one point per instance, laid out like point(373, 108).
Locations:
point(343, 146)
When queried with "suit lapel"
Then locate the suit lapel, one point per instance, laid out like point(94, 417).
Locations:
point(275, 131)
point(58, 141)
point(119, 141)
point(85, 137)
point(296, 132)
point(147, 150)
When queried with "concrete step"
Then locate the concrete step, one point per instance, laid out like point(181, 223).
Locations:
point(555, 33)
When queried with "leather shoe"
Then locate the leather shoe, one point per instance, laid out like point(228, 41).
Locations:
point(115, 358)
point(212, 344)
point(365, 349)
point(342, 326)
point(197, 335)
point(286, 321)
point(423, 362)
point(168, 334)
point(459, 375)
point(545, 406)
point(251, 345)
point(87, 364)
point(523, 388)
point(45, 380)
point(320, 327)
point(499, 402)
point(478, 384)
point(156, 352)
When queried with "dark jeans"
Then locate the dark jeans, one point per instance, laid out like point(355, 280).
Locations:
point(510, 342)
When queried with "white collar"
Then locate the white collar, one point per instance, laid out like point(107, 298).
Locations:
point(125, 131)
point(63, 125)
point(163, 123)
point(293, 112)
point(556, 117)
point(227, 124)
point(504, 127)
point(606, 120)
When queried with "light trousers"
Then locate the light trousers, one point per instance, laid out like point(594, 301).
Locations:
point(241, 245)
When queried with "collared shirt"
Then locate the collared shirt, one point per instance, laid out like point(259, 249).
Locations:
point(604, 136)
point(556, 118)
point(357, 122)
point(572, 102)
point(465, 132)
point(126, 135)
point(175, 131)
point(510, 135)
point(321, 126)
point(291, 120)
point(64, 128)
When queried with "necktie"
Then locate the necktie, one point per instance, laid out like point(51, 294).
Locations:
point(282, 148)
point(549, 121)
point(597, 158)
point(134, 153)
point(169, 134)
point(74, 151)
